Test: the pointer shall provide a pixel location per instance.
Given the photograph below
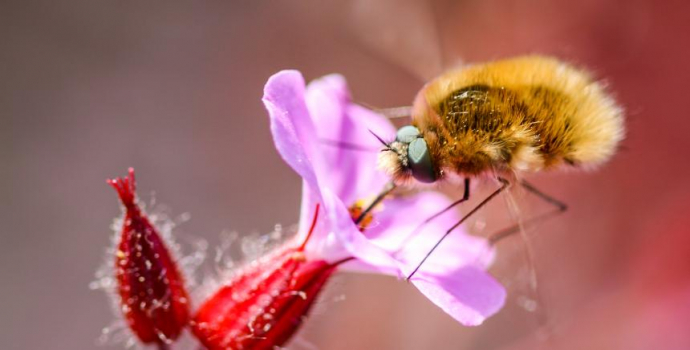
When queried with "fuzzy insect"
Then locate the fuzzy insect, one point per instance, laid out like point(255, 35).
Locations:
point(500, 119)
point(528, 113)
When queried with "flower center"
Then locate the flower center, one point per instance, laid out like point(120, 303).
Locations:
point(357, 210)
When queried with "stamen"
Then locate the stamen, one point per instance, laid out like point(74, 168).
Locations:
point(356, 211)
point(388, 189)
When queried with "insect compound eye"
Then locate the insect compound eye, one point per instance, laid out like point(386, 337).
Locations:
point(420, 161)
point(407, 134)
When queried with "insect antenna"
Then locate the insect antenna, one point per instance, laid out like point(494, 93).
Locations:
point(384, 143)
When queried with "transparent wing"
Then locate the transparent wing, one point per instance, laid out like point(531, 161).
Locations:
point(404, 32)
point(420, 37)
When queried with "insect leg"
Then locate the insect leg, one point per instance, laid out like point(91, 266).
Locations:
point(560, 208)
point(504, 185)
point(465, 197)
point(557, 203)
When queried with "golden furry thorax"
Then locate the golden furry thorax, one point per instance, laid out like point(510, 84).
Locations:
point(523, 114)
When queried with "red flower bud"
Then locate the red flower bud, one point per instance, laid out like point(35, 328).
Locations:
point(153, 298)
point(265, 303)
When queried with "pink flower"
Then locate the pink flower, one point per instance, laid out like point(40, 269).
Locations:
point(326, 139)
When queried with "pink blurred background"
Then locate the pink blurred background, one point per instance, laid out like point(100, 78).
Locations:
point(89, 88)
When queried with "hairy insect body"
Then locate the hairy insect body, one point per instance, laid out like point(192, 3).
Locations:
point(523, 114)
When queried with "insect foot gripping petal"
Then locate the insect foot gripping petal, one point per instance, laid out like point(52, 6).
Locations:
point(152, 294)
point(264, 304)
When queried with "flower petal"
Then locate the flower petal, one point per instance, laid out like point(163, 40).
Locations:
point(453, 277)
point(327, 140)
point(397, 229)
point(291, 123)
point(347, 149)
point(352, 240)
point(293, 133)
point(469, 295)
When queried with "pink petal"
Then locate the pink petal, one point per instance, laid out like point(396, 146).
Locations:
point(469, 295)
point(348, 151)
point(352, 240)
point(293, 132)
point(453, 277)
point(291, 123)
point(397, 229)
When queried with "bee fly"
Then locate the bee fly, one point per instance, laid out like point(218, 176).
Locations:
point(501, 119)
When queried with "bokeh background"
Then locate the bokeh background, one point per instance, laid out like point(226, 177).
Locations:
point(89, 88)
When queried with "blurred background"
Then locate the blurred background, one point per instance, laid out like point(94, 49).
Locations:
point(89, 88)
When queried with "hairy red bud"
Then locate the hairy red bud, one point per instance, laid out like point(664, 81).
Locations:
point(153, 298)
point(264, 304)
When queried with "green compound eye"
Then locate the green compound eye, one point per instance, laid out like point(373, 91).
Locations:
point(407, 134)
point(420, 161)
